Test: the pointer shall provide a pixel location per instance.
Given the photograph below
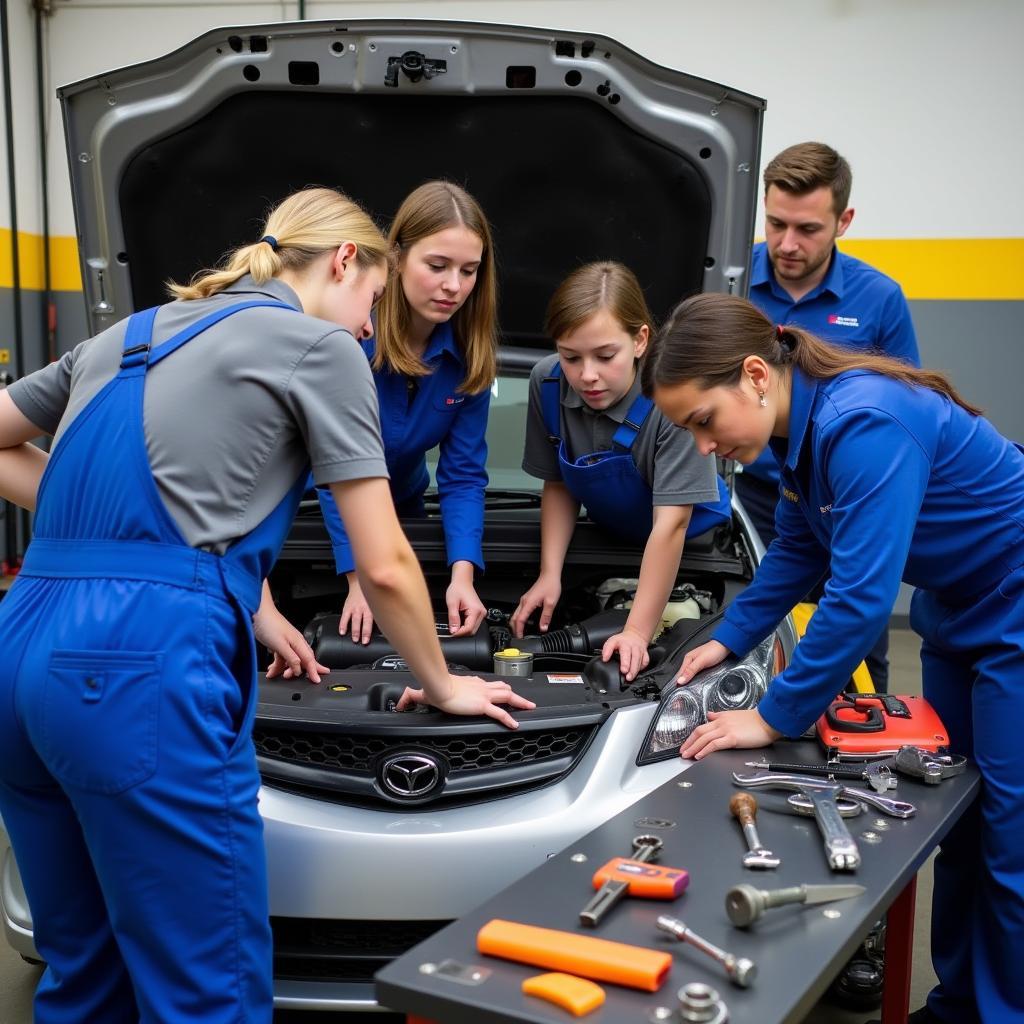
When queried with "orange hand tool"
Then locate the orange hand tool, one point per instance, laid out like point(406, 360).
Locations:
point(648, 881)
point(583, 955)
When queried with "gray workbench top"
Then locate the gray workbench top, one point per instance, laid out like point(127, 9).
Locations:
point(797, 949)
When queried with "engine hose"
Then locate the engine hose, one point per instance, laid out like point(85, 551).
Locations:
point(476, 651)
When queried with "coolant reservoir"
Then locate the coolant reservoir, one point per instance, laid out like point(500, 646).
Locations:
point(681, 605)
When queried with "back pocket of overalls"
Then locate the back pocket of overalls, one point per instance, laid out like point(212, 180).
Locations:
point(100, 718)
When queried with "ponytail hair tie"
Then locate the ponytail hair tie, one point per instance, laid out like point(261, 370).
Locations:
point(270, 240)
point(786, 341)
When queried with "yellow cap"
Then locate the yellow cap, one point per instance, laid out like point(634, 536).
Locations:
point(509, 652)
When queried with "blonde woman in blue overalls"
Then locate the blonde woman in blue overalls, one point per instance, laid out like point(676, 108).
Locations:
point(183, 440)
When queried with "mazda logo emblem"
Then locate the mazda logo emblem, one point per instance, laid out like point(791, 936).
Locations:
point(408, 775)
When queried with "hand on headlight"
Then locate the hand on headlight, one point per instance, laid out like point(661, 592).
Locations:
point(470, 695)
point(726, 729)
point(700, 658)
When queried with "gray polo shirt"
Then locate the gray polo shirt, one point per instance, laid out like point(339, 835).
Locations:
point(229, 417)
point(664, 454)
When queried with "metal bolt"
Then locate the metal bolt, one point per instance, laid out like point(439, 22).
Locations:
point(700, 1003)
point(84, 158)
point(880, 825)
point(579, 858)
point(455, 49)
point(871, 837)
point(832, 914)
point(659, 1013)
point(428, 968)
point(685, 785)
point(743, 168)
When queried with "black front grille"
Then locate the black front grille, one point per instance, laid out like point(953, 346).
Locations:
point(346, 766)
point(360, 754)
point(326, 950)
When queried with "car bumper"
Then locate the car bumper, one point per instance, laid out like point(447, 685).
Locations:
point(330, 862)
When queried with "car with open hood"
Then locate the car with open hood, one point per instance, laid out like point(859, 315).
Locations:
point(380, 827)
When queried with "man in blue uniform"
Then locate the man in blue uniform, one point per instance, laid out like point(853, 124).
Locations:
point(800, 277)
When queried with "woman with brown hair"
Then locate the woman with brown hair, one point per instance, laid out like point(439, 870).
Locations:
point(434, 358)
point(596, 441)
point(888, 475)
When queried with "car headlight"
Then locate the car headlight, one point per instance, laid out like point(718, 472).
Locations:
point(734, 684)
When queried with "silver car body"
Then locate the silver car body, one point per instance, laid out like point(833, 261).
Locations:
point(330, 860)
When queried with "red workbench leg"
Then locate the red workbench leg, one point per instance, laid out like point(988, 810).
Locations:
point(899, 955)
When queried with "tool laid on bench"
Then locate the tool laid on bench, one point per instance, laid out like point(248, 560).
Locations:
point(741, 971)
point(805, 783)
point(618, 883)
point(744, 809)
point(581, 955)
point(880, 772)
point(877, 774)
point(840, 848)
point(744, 904)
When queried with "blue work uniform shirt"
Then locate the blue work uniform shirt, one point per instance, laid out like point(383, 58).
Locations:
point(881, 482)
point(853, 305)
point(437, 415)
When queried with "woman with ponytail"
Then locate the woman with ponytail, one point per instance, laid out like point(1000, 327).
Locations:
point(888, 475)
point(183, 438)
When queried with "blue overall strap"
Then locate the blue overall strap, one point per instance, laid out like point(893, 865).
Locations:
point(179, 339)
point(551, 402)
point(628, 429)
point(137, 337)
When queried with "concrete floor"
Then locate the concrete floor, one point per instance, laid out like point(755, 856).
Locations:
point(18, 979)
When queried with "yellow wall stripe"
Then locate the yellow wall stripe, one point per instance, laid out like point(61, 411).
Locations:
point(947, 268)
point(927, 268)
point(64, 273)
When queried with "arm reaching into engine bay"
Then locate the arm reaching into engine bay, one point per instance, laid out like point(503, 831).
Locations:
point(558, 513)
point(658, 571)
point(393, 582)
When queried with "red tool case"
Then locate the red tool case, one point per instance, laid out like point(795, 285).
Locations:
point(862, 724)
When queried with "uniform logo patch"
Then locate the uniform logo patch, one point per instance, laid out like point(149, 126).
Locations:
point(825, 509)
point(843, 321)
point(791, 495)
point(455, 400)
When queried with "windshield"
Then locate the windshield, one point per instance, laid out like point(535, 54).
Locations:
point(506, 429)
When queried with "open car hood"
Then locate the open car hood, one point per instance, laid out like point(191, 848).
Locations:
point(577, 148)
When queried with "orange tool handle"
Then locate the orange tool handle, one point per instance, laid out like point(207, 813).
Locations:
point(648, 881)
point(599, 959)
point(576, 995)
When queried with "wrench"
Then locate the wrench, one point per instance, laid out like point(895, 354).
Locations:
point(805, 783)
point(645, 848)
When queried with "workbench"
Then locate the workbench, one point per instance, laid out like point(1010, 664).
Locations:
point(798, 949)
